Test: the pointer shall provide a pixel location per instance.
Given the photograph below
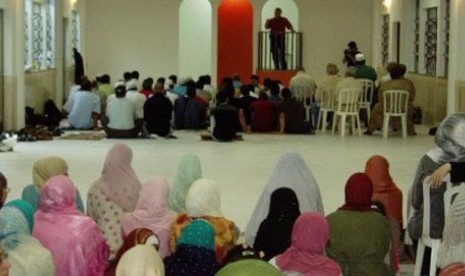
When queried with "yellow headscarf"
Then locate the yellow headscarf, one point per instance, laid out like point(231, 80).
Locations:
point(47, 167)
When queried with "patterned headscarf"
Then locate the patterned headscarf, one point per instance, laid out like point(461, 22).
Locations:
point(195, 253)
point(189, 170)
point(47, 167)
point(119, 182)
point(450, 139)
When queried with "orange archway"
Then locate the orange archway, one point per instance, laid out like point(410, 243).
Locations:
point(235, 39)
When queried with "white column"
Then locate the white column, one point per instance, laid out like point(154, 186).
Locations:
point(59, 53)
point(376, 34)
point(20, 97)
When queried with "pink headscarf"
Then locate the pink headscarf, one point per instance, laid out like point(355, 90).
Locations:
point(309, 237)
point(118, 180)
point(152, 212)
point(75, 240)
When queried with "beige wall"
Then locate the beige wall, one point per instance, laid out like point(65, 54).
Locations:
point(328, 25)
point(40, 86)
point(126, 35)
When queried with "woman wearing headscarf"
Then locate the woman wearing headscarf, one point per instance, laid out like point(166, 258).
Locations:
point(152, 212)
point(359, 238)
point(203, 201)
point(136, 237)
point(195, 251)
point(389, 195)
point(384, 188)
point(112, 195)
point(141, 260)
point(27, 256)
point(274, 233)
point(42, 170)
point(75, 240)
point(450, 141)
point(452, 248)
point(189, 170)
point(455, 269)
point(306, 254)
point(291, 172)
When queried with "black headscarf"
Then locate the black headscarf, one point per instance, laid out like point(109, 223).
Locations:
point(274, 233)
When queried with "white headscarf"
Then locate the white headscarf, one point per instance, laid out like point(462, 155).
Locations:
point(450, 139)
point(291, 172)
point(203, 199)
point(141, 260)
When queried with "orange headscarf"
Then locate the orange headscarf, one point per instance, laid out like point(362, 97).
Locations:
point(384, 189)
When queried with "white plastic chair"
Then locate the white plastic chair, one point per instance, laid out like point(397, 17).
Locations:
point(326, 106)
point(395, 105)
point(305, 96)
point(425, 239)
point(347, 105)
point(366, 96)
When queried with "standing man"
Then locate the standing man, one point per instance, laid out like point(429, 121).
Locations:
point(277, 26)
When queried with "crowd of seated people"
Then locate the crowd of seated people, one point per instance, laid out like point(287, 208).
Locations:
point(128, 228)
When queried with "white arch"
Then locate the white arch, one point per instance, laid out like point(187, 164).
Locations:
point(195, 36)
point(289, 8)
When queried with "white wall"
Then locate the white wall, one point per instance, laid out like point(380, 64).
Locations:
point(289, 10)
point(123, 35)
point(195, 38)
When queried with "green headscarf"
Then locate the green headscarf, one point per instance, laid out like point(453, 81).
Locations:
point(198, 233)
point(250, 267)
point(189, 170)
point(25, 208)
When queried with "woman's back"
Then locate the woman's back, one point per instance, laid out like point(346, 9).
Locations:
point(359, 242)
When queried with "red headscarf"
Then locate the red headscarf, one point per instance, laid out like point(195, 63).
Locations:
point(358, 193)
point(454, 269)
point(306, 253)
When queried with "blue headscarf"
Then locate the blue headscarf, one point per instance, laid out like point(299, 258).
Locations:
point(26, 208)
point(13, 225)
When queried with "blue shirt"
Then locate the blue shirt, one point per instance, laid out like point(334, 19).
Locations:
point(82, 106)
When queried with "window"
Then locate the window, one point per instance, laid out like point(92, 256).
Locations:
point(446, 37)
point(385, 39)
point(39, 29)
point(416, 42)
point(431, 27)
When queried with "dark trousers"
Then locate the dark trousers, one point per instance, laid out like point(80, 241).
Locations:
point(121, 133)
point(278, 51)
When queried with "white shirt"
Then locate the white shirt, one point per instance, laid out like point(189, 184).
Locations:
point(121, 112)
point(138, 99)
point(303, 81)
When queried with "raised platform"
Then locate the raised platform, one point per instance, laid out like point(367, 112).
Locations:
point(283, 75)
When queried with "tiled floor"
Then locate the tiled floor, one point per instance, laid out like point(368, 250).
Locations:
point(241, 168)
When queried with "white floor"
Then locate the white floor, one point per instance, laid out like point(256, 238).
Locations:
point(241, 168)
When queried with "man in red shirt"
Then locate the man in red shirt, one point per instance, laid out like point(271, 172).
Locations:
point(277, 26)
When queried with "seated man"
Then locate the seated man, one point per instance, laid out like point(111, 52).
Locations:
point(398, 81)
point(190, 111)
point(158, 111)
point(245, 101)
point(265, 114)
point(224, 119)
point(121, 119)
point(292, 115)
point(84, 107)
